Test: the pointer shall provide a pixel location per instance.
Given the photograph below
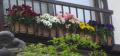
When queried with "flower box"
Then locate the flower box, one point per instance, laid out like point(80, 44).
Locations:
point(61, 32)
point(22, 28)
point(97, 39)
point(31, 29)
point(53, 32)
point(18, 28)
point(109, 41)
point(40, 31)
point(46, 33)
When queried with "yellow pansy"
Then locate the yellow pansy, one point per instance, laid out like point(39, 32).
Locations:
point(86, 26)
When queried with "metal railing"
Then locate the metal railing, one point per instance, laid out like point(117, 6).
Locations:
point(51, 7)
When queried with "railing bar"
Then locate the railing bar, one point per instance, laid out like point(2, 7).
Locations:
point(77, 6)
point(69, 9)
point(91, 18)
point(48, 11)
point(111, 20)
point(25, 2)
point(32, 5)
point(91, 15)
point(84, 20)
point(26, 25)
point(76, 12)
point(55, 10)
point(40, 27)
point(98, 17)
point(84, 15)
point(9, 4)
point(19, 28)
point(55, 13)
point(40, 7)
point(34, 18)
point(17, 2)
point(62, 10)
point(48, 8)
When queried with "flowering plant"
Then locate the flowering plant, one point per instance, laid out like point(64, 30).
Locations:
point(109, 29)
point(22, 14)
point(86, 27)
point(47, 20)
point(71, 23)
point(103, 30)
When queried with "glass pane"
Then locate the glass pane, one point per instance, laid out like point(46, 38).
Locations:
point(5, 5)
point(81, 2)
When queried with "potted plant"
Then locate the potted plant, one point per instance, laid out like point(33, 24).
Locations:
point(86, 29)
point(109, 33)
point(49, 23)
point(69, 22)
point(22, 17)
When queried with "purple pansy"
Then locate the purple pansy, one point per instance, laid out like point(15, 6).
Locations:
point(109, 27)
point(93, 23)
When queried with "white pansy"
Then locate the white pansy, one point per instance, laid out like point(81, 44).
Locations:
point(48, 20)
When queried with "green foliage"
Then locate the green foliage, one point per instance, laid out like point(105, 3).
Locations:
point(98, 53)
point(39, 50)
point(63, 46)
point(102, 32)
point(75, 40)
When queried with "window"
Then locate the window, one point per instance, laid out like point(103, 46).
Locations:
point(80, 2)
point(80, 11)
point(28, 2)
point(44, 7)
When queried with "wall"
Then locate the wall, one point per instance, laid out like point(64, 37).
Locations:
point(115, 6)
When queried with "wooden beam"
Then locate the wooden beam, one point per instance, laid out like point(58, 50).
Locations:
point(106, 16)
point(97, 14)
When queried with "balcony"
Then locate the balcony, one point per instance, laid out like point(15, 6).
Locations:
point(85, 13)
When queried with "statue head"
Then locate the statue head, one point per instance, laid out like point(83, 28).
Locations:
point(6, 37)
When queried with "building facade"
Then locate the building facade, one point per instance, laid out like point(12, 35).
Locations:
point(85, 10)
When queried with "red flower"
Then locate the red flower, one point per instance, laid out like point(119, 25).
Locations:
point(23, 10)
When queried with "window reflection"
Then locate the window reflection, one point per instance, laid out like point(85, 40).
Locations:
point(81, 2)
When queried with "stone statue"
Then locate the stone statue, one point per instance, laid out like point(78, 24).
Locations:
point(6, 52)
point(9, 42)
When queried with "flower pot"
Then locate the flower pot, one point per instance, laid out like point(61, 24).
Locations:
point(82, 34)
point(30, 29)
point(109, 41)
point(46, 33)
point(53, 33)
point(61, 32)
point(22, 28)
point(88, 36)
point(40, 31)
point(16, 27)
point(97, 39)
